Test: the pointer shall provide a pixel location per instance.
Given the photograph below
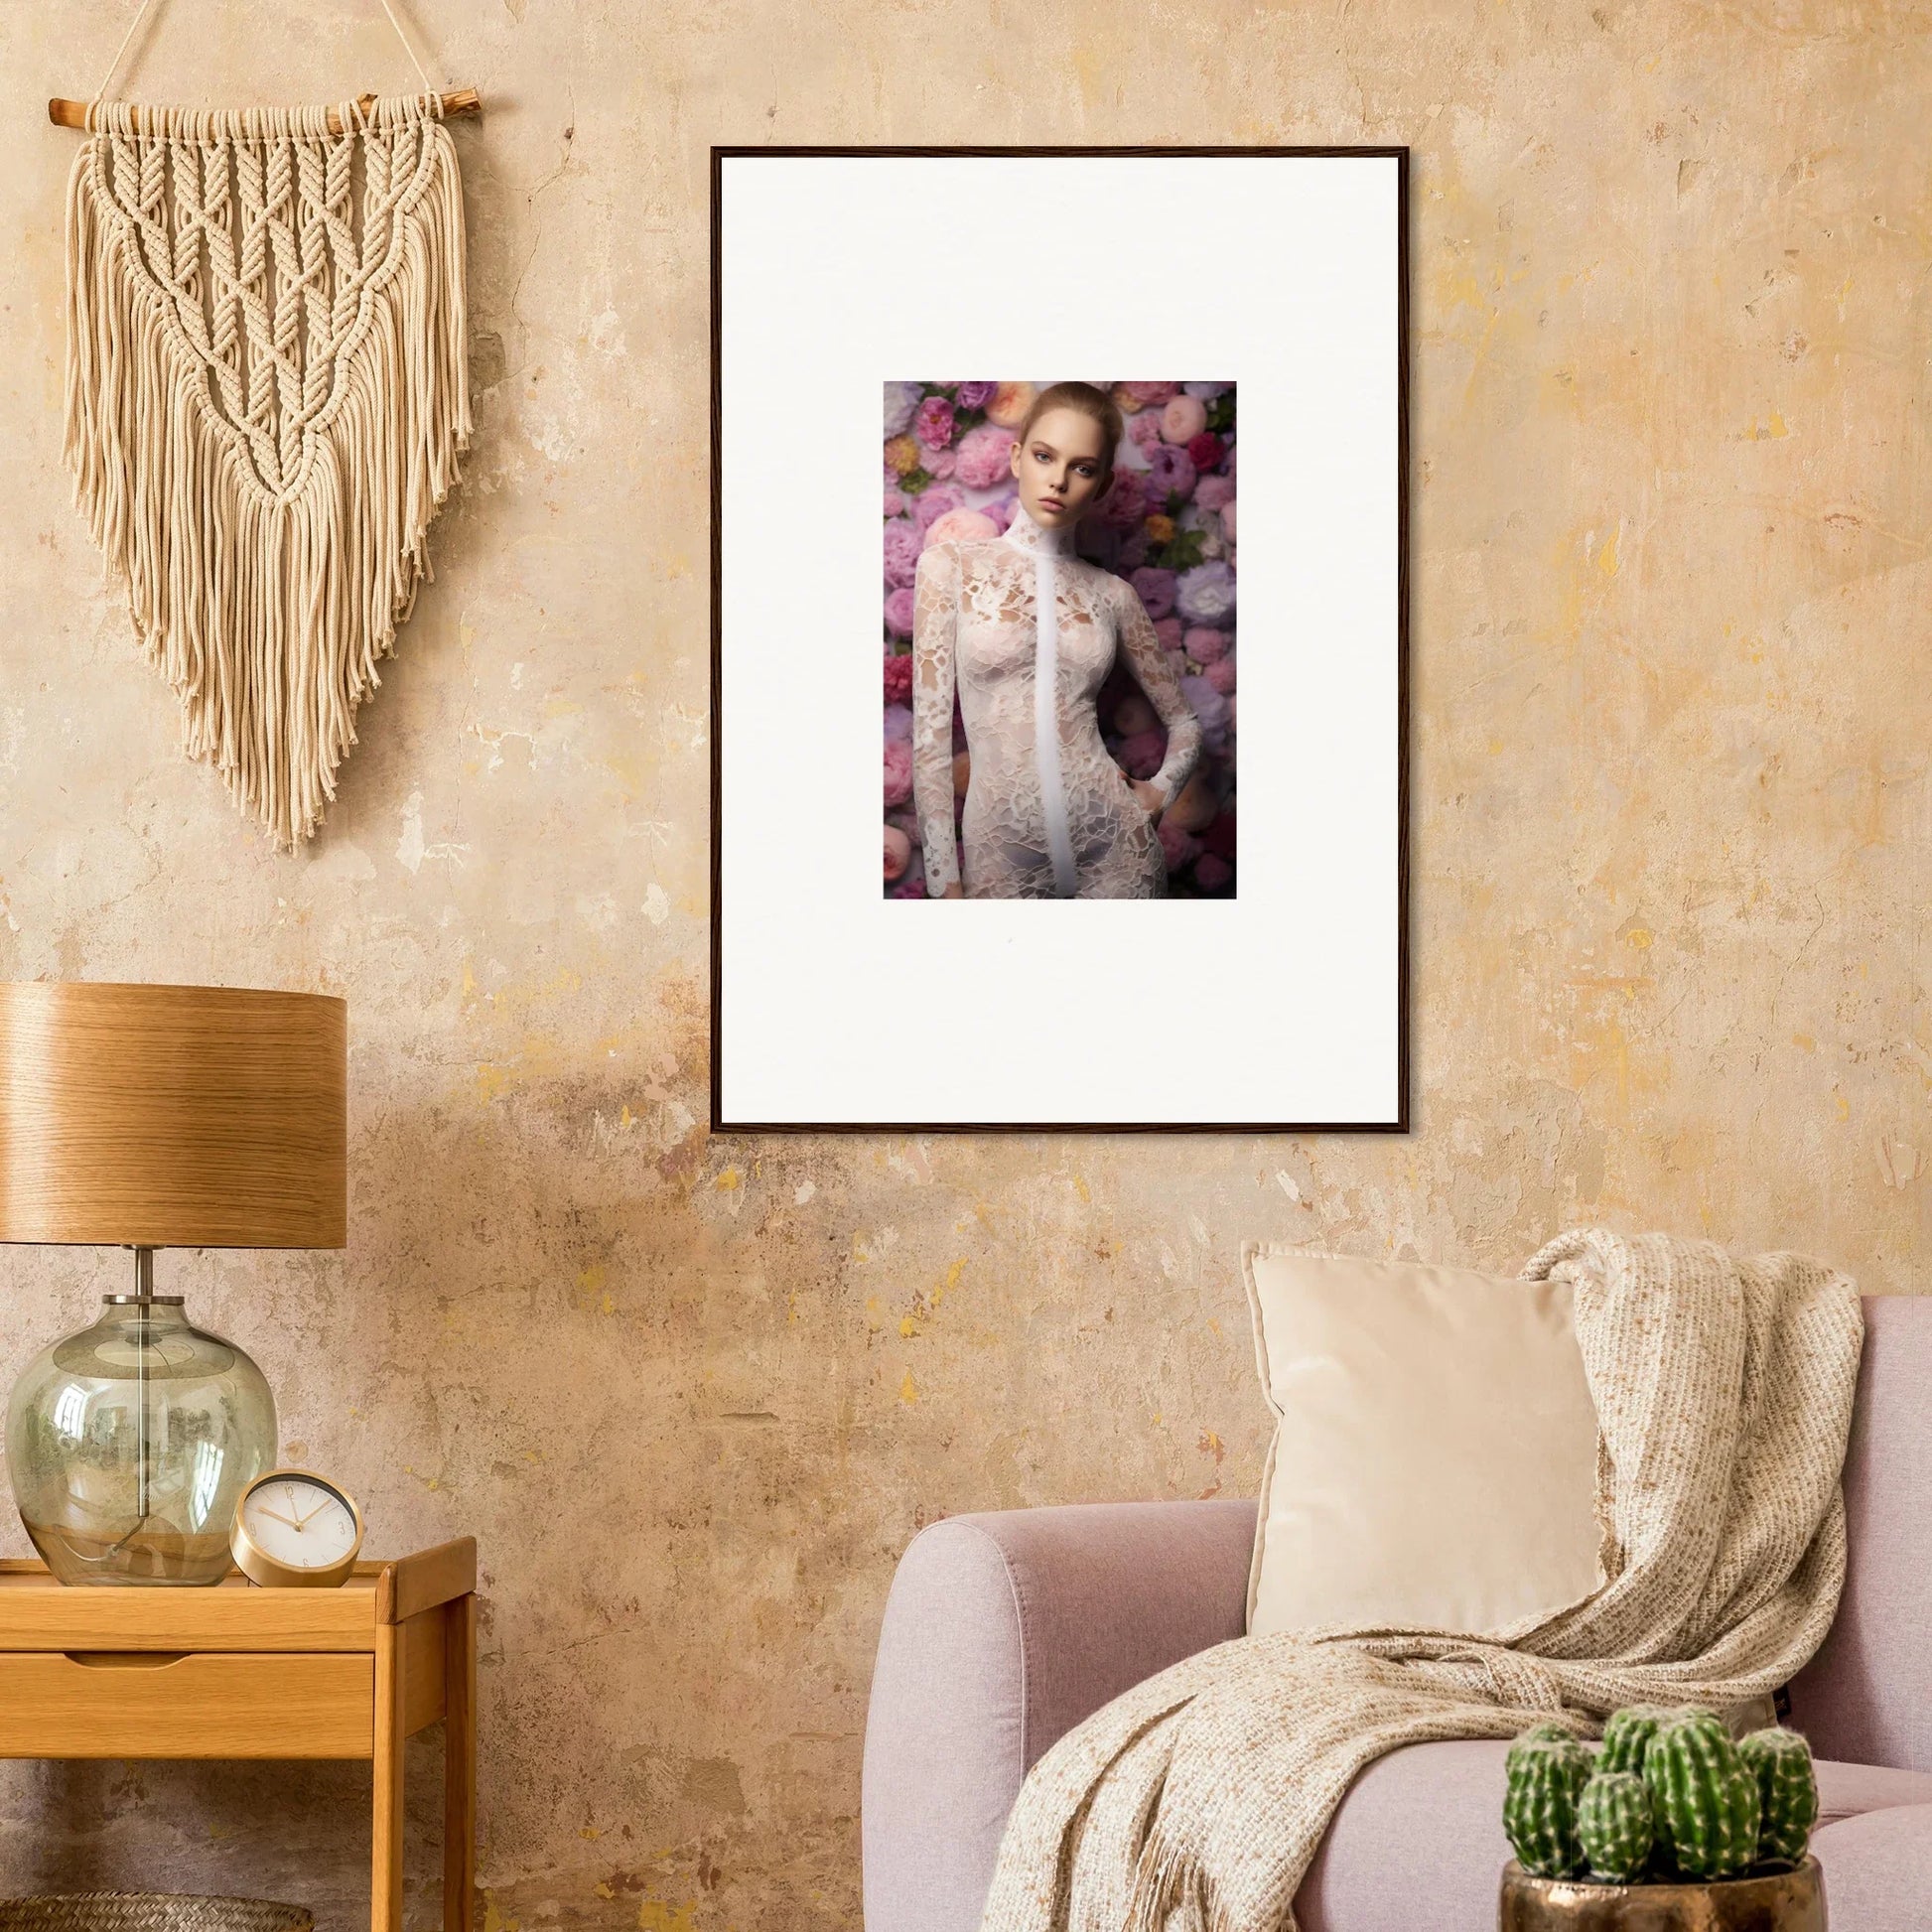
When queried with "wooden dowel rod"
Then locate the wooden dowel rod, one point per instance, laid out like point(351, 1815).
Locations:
point(465, 100)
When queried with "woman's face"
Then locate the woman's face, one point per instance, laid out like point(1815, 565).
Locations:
point(1060, 464)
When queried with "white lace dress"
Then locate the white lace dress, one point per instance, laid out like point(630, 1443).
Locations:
point(1048, 813)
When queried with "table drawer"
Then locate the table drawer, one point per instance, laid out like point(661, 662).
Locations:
point(204, 1703)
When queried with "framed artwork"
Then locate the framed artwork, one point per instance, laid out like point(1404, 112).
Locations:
point(1039, 801)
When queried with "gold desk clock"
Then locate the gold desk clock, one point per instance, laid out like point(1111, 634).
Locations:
point(296, 1530)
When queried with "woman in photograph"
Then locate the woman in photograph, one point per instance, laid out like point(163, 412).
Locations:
point(1028, 632)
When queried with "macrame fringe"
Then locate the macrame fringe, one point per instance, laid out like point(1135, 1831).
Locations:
point(268, 610)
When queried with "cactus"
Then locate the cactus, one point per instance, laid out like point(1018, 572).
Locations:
point(1704, 1795)
point(1787, 1791)
point(1627, 1735)
point(1615, 1826)
point(1546, 1777)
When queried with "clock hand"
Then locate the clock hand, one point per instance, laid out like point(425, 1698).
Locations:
point(278, 1516)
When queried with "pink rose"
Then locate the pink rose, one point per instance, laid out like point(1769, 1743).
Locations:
point(898, 612)
point(899, 852)
point(984, 457)
point(1206, 450)
point(1010, 401)
point(1221, 674)
point(898, 678)
point(899, 772)
point(1203, 646)
point(1183, 419)
point(1215, 492)
point(961, 526)
point(903, 542)
point(932, 504)
point(933, 423)
point(1156, 589)
point(1147, 394)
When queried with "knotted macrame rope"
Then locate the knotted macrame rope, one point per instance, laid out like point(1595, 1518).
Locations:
point(267, 392)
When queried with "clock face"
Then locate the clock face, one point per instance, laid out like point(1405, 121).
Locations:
point(298, 1521)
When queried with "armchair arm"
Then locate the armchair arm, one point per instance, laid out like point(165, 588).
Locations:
point(1001, 1632)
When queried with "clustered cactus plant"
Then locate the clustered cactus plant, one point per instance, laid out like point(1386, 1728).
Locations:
point(1669, 1795)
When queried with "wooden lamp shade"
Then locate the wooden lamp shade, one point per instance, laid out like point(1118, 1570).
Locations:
point(173, 1116)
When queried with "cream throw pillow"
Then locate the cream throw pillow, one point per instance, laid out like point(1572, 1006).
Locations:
point(1434, 1463)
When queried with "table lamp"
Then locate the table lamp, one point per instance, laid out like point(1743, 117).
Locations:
point(154, 1117)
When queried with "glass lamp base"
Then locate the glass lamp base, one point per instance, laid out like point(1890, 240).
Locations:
point(130, 1443)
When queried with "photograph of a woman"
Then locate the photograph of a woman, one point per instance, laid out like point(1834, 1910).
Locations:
point(1052, 728)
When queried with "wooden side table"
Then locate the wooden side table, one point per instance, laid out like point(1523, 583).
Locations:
point(241, 1672)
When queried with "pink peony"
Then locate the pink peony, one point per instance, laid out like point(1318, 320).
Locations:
point(1147, 394)
point(1183, 419)
point(1176, 847)
point(983, 455)
point(1206, 450)
point(1156, 589)
point(1221, 674)
point(932, 504)
point(961, 526)
point(895, 501)
point(898, 612)
point(1167, 631)
point(1143, 430)
point(903, 542)
point(899, 852)
point(1215, 492)
point(898, 678)
point(1141, 753)
point(940, 464)
point(899, 772)
point(1227, 519)
point(933, 424)
point(1205, 647)
point(1170, 474)
point(1010, 401)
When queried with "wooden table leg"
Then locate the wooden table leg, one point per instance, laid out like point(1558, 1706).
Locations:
point(386, 1837)
point(459, 1762)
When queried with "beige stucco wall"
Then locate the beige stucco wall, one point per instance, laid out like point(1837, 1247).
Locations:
point(1669, 854)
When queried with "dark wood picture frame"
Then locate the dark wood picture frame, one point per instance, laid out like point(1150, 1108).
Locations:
point(1399, 1124)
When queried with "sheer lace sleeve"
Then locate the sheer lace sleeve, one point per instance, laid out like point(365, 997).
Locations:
point(935, 620)
point(1156, 676)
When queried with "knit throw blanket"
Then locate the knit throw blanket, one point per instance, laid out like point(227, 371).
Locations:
point(1196, 1801)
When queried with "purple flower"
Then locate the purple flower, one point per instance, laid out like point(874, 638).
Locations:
point(898, 613)
point(975, 396)
point(904, 539)
point(1212, 709)
point(1156, 589)
point(898, 717)
point(1124, 503)
point(1172, 471)
point(1207, 390)
point(933, 424)
point(1205, 594)
point(902, 398)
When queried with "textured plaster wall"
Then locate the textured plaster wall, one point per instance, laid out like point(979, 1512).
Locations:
point(1671, 821)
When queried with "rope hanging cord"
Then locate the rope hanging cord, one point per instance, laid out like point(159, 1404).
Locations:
point(267, 391)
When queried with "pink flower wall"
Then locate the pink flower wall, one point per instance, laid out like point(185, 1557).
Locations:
point(1167, 525)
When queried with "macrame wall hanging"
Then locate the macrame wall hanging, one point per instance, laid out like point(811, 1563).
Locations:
point(267, 391)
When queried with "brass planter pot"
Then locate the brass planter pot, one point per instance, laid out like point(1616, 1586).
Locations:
point(1778, 1901)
